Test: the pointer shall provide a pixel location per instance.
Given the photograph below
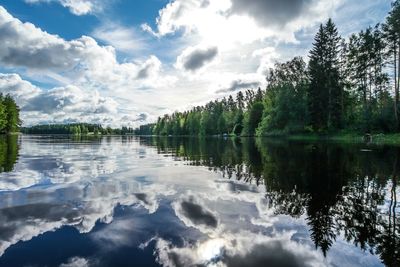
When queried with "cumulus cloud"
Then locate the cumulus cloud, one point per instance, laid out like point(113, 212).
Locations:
point(76, 262)
point(242, 21)
point(76, 7)
point(70, 99)
point(24, 45)
point(83, 67)
point(82, 59)
point(37, 103)
point(239, 84)
point(20, 89)
point(268, 57)
point(125, 39)
point(175, 15)
point(150, 68)
point(271, 12)
point(195, 58)
point(142, 117)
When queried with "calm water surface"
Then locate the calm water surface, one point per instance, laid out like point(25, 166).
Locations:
point(129, 201)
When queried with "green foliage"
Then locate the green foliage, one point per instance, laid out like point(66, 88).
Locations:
point(9, 115)
point(220, 117)
point(253, 118)
point(285, 102)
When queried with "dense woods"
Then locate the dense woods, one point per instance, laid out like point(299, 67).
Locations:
point(348, 85)
point(75, 129)
point(9, 115)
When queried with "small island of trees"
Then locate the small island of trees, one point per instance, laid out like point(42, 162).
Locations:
point(347, 86)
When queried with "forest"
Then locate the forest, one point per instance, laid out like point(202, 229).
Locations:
point(75, 129)
point(9, 115)
point(347, 85)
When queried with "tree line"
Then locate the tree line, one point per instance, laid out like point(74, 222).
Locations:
point(75, 129)
point(347, 85)
point(9, 115)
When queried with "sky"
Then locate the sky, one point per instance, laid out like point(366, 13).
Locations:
point(124, 63)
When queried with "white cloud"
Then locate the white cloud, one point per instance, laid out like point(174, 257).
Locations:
point(232, 22)
point(85, 69)
point(76, 262)
point(79, 7)
point(24, 45)
point(125, 39)
point(76, 7)
point(20, 89)
point(150, 68)
point(268, 57)
point(70, 103)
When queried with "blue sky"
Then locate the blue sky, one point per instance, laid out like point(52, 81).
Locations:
point(122, 62)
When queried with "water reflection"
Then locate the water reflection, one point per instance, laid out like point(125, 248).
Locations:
point(8, 152)
point(340, 189)
point(124, 201)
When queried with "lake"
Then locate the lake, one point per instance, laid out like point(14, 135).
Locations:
point(136, 201)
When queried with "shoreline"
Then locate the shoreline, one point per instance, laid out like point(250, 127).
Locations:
point(376, 139)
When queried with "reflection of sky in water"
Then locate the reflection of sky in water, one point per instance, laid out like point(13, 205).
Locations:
point(113, 201)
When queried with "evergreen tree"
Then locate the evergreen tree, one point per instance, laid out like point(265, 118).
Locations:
point(318, 91)
point(326, 90)
point(334, 80)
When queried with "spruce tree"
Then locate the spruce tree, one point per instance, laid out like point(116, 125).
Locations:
point(325, 94)
point(334, 81)
point(317, 93)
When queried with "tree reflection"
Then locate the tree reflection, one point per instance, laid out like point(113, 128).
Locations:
point(8, 152)
point(346, 190)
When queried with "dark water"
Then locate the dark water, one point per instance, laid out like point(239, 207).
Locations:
point(128, 201)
